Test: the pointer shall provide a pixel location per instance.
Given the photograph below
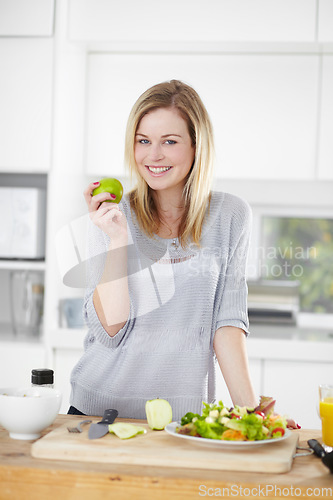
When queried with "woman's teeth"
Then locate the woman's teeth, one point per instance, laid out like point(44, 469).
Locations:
point(158, 170)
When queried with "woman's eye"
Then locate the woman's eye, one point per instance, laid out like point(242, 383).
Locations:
point(143, 141)
point(170, 141)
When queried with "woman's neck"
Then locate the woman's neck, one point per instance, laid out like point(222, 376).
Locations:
point(170, 210)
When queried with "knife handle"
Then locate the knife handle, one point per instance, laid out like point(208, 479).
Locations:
point(109, 417)
point(317, 448)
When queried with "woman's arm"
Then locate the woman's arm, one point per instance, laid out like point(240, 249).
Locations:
point(111, 295)
point(231, 353)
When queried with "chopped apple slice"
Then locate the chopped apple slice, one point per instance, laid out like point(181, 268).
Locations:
point(159, 413)
point(126, 431)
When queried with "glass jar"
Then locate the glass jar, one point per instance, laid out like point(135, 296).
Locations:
point(26, 296)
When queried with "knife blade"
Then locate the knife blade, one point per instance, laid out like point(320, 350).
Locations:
point(101, 428)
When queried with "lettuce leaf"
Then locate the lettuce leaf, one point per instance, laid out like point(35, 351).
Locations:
point(209, 430)
point(188, 417)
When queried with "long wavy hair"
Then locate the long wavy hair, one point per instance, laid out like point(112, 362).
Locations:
point(196, 194)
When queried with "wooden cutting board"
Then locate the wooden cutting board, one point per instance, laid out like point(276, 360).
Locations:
point(157, 448)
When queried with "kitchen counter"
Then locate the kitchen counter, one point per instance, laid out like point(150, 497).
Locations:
point(22, 476)
point(291, 332)
point(290, 343)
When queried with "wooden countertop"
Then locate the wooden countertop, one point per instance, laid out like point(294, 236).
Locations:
point(22, 476)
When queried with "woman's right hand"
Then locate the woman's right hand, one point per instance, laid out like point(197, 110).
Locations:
point(107, 216)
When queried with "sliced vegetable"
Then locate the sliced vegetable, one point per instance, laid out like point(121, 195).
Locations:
point(278, 432)
point(266, 405)
point(231, 435)
point(188, 429)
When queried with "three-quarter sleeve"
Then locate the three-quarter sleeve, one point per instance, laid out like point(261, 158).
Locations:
point(232, 309)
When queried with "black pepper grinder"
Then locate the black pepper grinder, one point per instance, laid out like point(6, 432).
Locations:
point(42, 377)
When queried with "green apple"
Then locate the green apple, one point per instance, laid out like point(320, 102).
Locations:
point(112, 186)
point(158, 413)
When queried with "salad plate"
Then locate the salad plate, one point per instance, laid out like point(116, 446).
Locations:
point(220, 443)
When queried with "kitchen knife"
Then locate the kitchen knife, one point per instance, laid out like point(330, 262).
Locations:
point(326, 457)
point(317, 448)
point(328, 461)
point(101, 428)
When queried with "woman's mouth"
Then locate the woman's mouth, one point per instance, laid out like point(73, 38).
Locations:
point(157, 170)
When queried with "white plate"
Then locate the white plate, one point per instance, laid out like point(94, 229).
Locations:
point(219, 443)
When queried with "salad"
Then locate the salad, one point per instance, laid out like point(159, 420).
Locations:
point(235, 424)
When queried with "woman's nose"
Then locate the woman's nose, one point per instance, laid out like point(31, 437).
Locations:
point(156, 152)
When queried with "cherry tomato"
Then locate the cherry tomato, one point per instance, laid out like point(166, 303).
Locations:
point(260, 413)
point(278, 429)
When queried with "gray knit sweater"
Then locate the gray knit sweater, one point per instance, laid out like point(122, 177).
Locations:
point(178, 299)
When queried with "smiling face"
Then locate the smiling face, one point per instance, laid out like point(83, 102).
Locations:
point(163, 149)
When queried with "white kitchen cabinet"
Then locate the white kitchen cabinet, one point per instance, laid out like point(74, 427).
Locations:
point(213, 20)
point(26, 104)
point(263, 109)
point(26, 17)
point(325, 156)
point(64, 360)
point(294, 385)
point(292, 367)
point(325, 21)
point(17, 359)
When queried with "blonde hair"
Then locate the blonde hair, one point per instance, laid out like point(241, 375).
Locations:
point(178, 95)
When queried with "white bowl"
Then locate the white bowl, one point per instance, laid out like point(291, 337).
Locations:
point(26, 411)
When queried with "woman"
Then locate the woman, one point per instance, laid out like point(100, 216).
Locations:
point(166, 291)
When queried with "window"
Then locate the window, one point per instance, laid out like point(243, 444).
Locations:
point(300, 249)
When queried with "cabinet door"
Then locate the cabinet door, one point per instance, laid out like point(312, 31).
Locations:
point(212, 20)
point(325, 157)
point(17, 359)
point(294, 385)
point(26, 17)
point(325, 21)
point(25, 103)
point(263, 109)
